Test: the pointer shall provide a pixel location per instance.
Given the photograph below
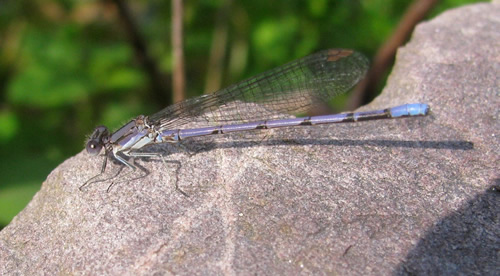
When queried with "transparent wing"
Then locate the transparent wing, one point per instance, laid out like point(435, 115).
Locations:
point(289, 89)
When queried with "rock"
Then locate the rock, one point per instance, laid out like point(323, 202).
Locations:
point(407, 196)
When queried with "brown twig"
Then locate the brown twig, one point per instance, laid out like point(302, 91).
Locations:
point(179, 79)
point(218, 49)
point(385, 55)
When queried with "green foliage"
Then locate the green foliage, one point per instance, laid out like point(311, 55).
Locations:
point(66, 66)
point(9, 125)
point(35, 83)
point(56, 70)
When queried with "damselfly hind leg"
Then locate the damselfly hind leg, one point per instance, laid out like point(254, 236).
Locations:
point(158, 155)
point(133, 167)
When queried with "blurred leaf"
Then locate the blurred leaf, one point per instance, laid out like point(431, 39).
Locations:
point(36, 86)
point(272, 39)
point(317, 7)
point(50, 74)
point(110, 68)
point(9, 125)
point(124, 79)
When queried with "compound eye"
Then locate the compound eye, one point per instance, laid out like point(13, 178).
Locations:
point(93, 147)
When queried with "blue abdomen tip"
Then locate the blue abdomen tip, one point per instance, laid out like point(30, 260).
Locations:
point(415, 109)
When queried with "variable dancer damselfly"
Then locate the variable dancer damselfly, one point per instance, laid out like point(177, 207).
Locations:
point(289, 89)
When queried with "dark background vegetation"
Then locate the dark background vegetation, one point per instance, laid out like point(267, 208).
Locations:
point(67, 66)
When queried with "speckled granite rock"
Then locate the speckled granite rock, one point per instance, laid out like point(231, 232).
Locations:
point(410, 196)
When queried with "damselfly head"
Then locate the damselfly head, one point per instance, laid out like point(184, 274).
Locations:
point(97, 140)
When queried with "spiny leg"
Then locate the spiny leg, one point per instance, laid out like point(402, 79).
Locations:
point(91, 180)
point(185, 149)
point(103, 168)
point(158, 155)
point(176, 173)
point(141, 168)
point(133, 167)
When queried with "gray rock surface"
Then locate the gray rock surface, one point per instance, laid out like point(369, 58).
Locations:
point(410, 196)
